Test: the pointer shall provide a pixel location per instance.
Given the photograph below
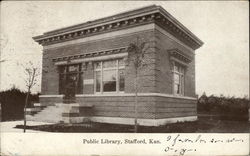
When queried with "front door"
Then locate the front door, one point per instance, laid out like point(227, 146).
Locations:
point(70, 82)
point(70, 88)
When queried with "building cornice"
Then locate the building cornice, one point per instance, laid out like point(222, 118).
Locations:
point(146, 15)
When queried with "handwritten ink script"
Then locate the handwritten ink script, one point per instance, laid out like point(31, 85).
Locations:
point(173, 144)
point(173, 141)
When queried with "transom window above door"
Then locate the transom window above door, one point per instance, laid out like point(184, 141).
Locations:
point(110, 76)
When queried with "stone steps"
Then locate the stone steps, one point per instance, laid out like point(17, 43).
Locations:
point(51, 114)
point(58, 113)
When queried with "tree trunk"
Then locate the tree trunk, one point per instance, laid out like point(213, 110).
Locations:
point(136, 103)
point(25, 106)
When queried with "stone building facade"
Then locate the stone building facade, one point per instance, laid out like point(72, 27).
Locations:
point(91, 60)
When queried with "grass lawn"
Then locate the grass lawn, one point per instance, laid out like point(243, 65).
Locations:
point(203, 125)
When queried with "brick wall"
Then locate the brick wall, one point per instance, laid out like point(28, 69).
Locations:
point(156, 76)
point(149, 107)
point(164, 83)
point(121, 106)
point(50, 78)
point(167, 107)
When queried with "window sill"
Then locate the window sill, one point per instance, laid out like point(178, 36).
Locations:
point(107, 93)
point(179, 95)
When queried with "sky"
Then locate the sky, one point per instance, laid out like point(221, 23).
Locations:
point(222, 63)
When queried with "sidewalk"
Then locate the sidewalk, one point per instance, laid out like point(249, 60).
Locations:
point(8, 126)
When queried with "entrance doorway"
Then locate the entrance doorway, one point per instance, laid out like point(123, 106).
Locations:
point(70, 81)
point(71, 87)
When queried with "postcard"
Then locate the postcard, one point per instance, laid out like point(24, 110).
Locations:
point(124, 78)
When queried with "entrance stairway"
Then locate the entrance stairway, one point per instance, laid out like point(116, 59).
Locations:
point(50, 114)
point(59, 113)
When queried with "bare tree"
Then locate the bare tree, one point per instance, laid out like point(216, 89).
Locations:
point(31, 76)
point(136, 52)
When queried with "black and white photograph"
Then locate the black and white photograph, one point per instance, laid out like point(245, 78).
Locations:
point(147, 77)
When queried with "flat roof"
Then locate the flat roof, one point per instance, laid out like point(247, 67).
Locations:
point(152, 9)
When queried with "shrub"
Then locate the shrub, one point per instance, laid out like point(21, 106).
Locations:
point(225, 107)
point(12, 103)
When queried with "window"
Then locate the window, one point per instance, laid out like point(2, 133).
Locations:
point(71, 78)
point(109, 76)
point(178, 79)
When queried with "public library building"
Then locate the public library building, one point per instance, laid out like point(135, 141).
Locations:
point(89, 63)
